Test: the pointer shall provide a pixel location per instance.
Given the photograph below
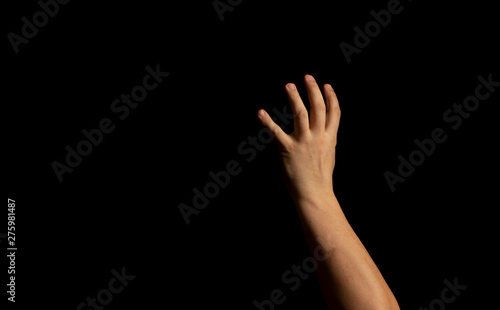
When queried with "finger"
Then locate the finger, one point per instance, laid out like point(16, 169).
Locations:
point(333, 109)
point(300, 115)
point(281, 137)
point(318, 108)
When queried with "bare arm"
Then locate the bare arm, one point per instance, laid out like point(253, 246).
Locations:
point(348, 276)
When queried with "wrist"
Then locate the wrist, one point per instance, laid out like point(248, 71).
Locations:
point(315, 198)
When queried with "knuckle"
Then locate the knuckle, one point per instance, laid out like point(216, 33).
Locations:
point(320, 106)
point(275, 129)
point(302, 114)
point(270, 124)
point(335, 110)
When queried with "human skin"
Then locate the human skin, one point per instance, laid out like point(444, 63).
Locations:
point(348, 276)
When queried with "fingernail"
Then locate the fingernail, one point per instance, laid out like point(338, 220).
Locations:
point(290, 86)
point(329, 86)
point(310, 78)
point(261, 114)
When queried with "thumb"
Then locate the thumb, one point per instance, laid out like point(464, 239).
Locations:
point(281, 137)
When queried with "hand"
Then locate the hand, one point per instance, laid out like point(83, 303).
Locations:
point(308, 154)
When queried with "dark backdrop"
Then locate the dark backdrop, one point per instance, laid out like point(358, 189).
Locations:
point(119, 207)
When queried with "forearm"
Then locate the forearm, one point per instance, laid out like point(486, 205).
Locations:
point(348, 276)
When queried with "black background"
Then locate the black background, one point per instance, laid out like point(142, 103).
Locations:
point(119, 207)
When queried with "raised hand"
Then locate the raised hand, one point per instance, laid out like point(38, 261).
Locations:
point(308, 154)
